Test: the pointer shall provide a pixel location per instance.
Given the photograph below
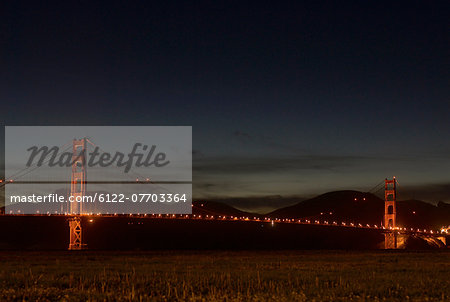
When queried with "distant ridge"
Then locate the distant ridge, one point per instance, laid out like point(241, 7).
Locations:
point(215, 208)
point(347, 206)
point(360, 207)
point(350, 206)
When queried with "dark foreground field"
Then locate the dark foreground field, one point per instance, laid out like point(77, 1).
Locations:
point(223, 276)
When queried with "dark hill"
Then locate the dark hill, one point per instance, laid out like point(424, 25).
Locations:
point(349, 206)
point(420, 214)
point(359, 207)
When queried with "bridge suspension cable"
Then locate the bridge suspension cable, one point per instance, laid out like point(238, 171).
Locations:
point(17, 175)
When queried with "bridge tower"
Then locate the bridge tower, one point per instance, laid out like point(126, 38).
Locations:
point(390, 195)
point(77, 190)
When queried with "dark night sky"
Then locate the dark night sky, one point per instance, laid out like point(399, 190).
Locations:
point(287, 98)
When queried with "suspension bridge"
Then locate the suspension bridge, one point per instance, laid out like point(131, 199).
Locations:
point(393, 233)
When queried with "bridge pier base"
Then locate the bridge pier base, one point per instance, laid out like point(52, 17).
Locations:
point(395, 240)
point(390, 240)
point(76, 238)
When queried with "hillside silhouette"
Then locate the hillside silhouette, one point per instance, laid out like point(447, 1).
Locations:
point(366, 208)
point(340, 206)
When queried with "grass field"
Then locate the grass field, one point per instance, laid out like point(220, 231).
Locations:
point(225, 276)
